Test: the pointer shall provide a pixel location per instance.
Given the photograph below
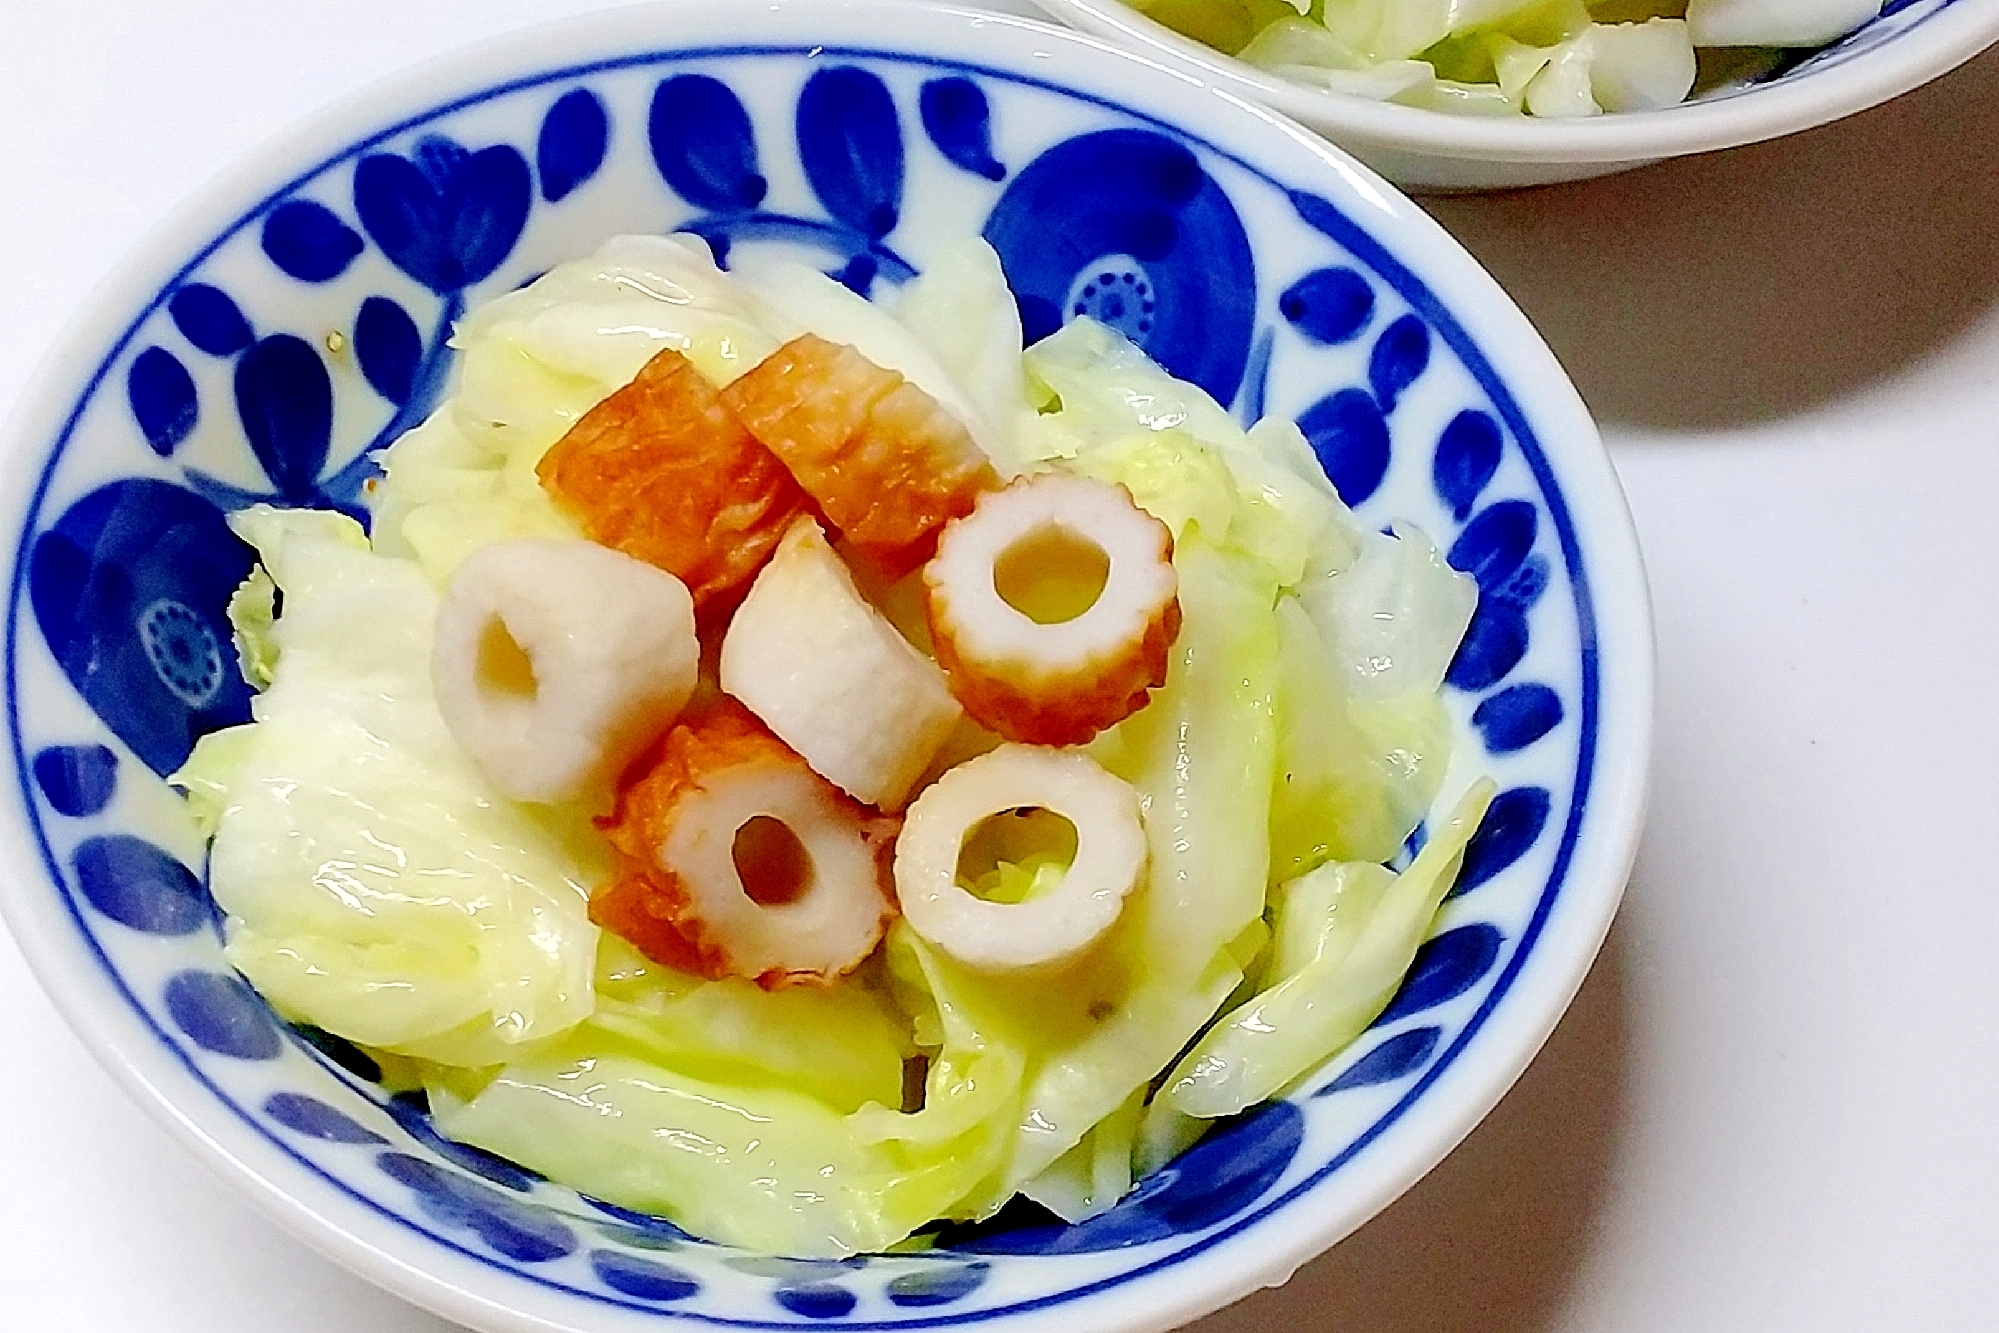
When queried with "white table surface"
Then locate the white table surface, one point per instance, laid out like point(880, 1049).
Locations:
point(1775, 1105)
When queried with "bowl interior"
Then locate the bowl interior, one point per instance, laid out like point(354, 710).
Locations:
point(299, 320)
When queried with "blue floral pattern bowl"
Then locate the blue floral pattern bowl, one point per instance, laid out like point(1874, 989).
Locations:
point(299, 319)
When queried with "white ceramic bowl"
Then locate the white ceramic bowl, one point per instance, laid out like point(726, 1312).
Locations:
point(1913, 42)
point(294, 317)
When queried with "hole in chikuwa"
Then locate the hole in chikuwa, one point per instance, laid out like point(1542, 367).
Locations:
point(1016, 855)
point(504, 666)
point(1051, 575)
point(772, 863)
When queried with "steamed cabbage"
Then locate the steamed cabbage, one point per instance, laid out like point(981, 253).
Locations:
point(1368, 924)
point(1355, 773)
point(375, 884)
point(1554, 58)
point(661, 1125)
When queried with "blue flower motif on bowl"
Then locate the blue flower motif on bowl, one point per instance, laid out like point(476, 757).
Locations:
point(315, 329)
point(1126, 226)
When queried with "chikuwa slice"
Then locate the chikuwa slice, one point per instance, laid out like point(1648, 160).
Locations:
point(883, 460)
point(1052, 608)
point(736, 859)
point(827, 672)
point(556, 662)
point(662, 471)
point(1045, 931)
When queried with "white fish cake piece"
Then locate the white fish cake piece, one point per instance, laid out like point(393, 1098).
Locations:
point(556, 661)
point(831, 676)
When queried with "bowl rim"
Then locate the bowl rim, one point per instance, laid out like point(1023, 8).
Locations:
point(1949, 35)
point(462, 1286)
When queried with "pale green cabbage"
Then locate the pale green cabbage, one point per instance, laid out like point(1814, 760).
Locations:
point(961, 310)
point(844, 1045)
point(1355, 772)
point(374, 883)
point(252, 613)
point(1393, 619)
point(666, 1124)
point(1369, 924)
point(1551, 58)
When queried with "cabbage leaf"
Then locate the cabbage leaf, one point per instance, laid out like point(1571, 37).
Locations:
point(666, 1123)
point(374, 883)
point(1355, 772)
point(1363, 951)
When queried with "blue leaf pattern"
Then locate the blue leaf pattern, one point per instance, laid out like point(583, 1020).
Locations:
point(704, 145)
point(316, 1120)
point(1445, 968)
point(77, 780)
point(1328, 306)
point(389, 348)
point(642, 1279)
point(1467, 457)
point(518, 1230)
point(285, 399)
point(309, 242)
point(222, 1014)
point(938, 1284)
point(1517, 716)
point(1350, 436)
point(1492, 545)
point(1400, 356)
point(1493, 645)
point(850, 143)
point(163, 399)
point(138, 885)
point(817, 1300)
point(574, 137)
point(207, 318)
point(1398, 1057)
point(450, 217)
point(959, 121)
point(1512, 824)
